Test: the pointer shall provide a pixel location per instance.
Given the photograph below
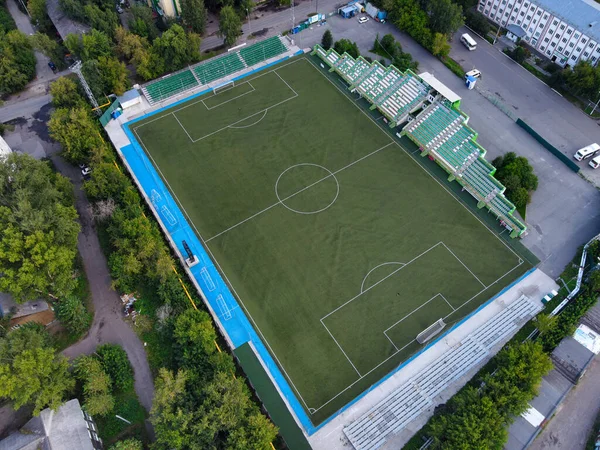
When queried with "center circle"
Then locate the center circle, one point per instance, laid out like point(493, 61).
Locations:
point(312, 175)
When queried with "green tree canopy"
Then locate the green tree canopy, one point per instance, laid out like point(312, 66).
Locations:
point(142, 22)
point(128, 444)
point(176, 48)
point(39, 226)
point(77, 132)
point(72, 314)
point(96, 383)
point(193, 13)
point(17, 62)
point(65, 93)
point(31, 372)
point(230, 25)
point(327, 40)
point(584, 79)
point(39, 14)
point(115, 362)
point(445, 16)
point(347, 46)
point(517, 175)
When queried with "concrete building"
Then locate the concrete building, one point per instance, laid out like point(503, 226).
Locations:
point(168, 8)
point(68, 428)
point(565, 31)
point(4, 148)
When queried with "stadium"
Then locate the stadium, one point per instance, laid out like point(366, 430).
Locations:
point(339, 219)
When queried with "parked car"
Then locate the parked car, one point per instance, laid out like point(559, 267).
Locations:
point(473, 73)
point(363, 19)
point(119, 10)
point(52, 66)
point(86, 171)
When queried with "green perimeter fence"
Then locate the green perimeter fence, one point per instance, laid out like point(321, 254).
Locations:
point(270, 398)
point(483, 214)
point(551, 148)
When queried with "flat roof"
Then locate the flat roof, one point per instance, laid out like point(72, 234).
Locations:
point(578, 13)
point(440, 87)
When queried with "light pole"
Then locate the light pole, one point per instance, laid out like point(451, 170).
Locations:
point(248, 16)
point(596, 105)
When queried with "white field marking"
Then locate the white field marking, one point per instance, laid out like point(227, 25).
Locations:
point(453, 308)
point(286, 83)
point(422, 168)
point(411, 313)
point(212, 256)
point(296, 193)
point(338, 344)
point(392, 342)
point(381, 281)
point(337, 184)
point(377, 267)
point(182, 127)
point(231, 99)
point(464, 265)
point(414, 340)
point(166, 114)
point(251, 125)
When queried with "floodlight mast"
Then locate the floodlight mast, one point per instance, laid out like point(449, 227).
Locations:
point(76, 68)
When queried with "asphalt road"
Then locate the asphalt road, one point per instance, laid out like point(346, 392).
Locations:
point(24, 108)
point(571, 425)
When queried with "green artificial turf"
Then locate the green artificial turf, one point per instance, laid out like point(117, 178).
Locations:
point(339, 245)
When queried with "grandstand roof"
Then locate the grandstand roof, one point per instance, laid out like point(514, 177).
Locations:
point(432, 81)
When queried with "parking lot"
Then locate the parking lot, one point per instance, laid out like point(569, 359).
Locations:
point(565, 209)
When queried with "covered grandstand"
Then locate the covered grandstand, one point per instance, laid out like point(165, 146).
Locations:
point(430, 118)
point(204, 73)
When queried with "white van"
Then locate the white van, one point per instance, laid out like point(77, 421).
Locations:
point(586, 152)
point(595, 163)
point(468, 42)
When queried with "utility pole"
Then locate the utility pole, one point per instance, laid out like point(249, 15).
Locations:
point(76, 68)
point(497, 33)
point(596, 105)
point(248, 17)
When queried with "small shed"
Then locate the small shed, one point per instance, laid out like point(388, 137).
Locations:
point(130, 98)
point(514, 32)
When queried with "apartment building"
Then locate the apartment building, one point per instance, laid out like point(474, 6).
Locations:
point(565, 31)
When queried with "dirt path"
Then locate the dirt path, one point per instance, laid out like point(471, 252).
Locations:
point(108, 325)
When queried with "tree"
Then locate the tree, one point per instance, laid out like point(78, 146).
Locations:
point(39, 227)
point(106, 182)
point(230, 25)
point(176, 48)
point(593, 281)
point(408, 16)
point(17, 62)
point(72, 314)
point(114, 75)
point(584, 79)
point(48, 47)
point(517, 175)
point(545, 323)
point(477, 21)
point(142, 22)
point(65, 93)
point(128, 444)
point(94, 45)
point(39, 14)
point(258, 433)
point(116, 364)
point(327, 40)
point(98, 400)
point(193, 13)
point(347, 46)
point(77, 132)
point(445, 16)
point(171, 422)
point(30, 370)
point(440, 46)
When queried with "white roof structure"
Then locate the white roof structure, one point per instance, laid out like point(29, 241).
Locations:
point(445, 91)
point(4, 148)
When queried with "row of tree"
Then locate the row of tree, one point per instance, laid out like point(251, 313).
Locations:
point(477, 417)
point(199, 402)
point(429, 22)
point(583, 79)
point(17, 60)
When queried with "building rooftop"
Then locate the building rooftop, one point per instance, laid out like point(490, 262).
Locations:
point(516, 30)
point(63, 24)
point(446, 92)
point(584, 15)
point(65, 429)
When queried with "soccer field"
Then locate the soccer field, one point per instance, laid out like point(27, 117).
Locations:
point(337, 244)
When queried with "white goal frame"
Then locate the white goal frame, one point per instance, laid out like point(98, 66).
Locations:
point(223, 87)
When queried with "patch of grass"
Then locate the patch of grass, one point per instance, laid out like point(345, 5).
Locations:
point(126, 406)
point(535, 72)
point(454, 66)
point(590, 445)
point(522, 211)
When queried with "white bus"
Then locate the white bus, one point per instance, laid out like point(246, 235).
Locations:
point(468, 42)
point(586, 152)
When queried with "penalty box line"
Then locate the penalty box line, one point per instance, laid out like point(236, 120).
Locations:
point(231, 99)
point(264, 110)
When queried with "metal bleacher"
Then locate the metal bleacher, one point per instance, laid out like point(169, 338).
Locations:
point(205, 72)
point(441, 132)
point(391, 415)
point(393, 93)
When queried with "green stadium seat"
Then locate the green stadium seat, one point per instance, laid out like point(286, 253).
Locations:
point(262, 51)
point(220, 67)
point(170, 86)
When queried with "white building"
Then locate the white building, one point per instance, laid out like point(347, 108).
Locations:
point(4, 148)
point(168, 8)
point(565, 31)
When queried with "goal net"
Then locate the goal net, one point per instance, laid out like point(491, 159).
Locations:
point(432, 330)
point(223, 87)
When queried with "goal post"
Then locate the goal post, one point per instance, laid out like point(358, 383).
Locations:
point(431, 331)
point(223, 87)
